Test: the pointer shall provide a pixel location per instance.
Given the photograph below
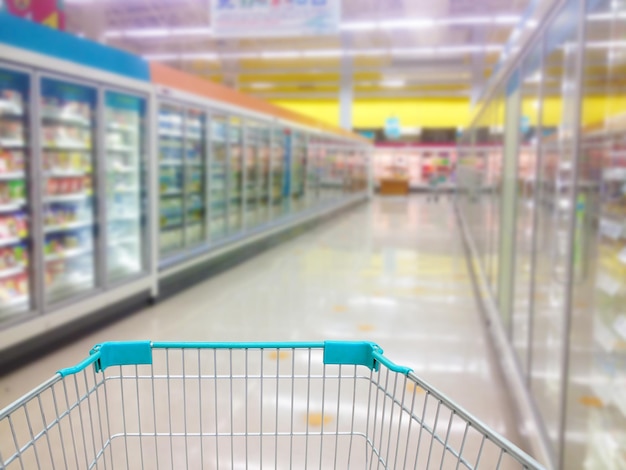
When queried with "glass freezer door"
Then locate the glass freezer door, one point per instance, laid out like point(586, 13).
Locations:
point(125, 185)
point(251, 165)
point(264, 174)
point(67, 129)
point(171, 213)
point(218, 189)
point(235, 181)
point(195, 141)
point(15, 244)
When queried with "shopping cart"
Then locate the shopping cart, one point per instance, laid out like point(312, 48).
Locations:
point(331, 404)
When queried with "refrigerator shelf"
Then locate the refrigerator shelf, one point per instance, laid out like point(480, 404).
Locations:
point(17, 300)
point(172, 192)
point(65, 173)
point(123, 169)
point(176, 226)
point(123, 218)
point(168, 133)
point(15, 175)
point(12, 271)
point(68, 226)
point(196, 164)
point(171, 163)
point(67, 254)
point(67, 118)
point(67, 197)
point(12, 206)
point(122, 149)
point(115, 126)
point(11, 143)
point(61, 146)
point(126, 190)
point(10, 241)
point(10, 108)
point(124, 241)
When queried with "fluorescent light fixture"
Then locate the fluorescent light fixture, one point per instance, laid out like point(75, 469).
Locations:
point(191, 31)
point(146, 33)
point(240, 55)
point(393, 83)
point(323, 53)
point(506, 19)
point(199, 56)
point(359, 26)
point(605, 44)
point(413, 51)
point(150, 33)
point(408, 23)
point(462, 20)
point(280, 55)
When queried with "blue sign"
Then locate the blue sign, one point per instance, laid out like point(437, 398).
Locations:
point(392, 128)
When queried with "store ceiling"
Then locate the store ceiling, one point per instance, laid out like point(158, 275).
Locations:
point(446, 50)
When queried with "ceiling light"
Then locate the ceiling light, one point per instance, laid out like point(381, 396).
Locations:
point(401, 24)
point(359, 26)
point(323, 53)
point(395, 83)
point(414, 51)
point(506, 19)
point(145, 33)
point(198, 56)
point(191, 31)
point(280, 55)
point(466, 20)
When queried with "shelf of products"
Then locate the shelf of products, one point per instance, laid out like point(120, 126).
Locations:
point(124, 147)
point(235, 181)
point(171, 178)
point(68, 131)
point(15, 242)
point(195, 217)
point(218, 187)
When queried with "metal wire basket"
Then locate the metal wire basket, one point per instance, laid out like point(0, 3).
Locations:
point(323, 405)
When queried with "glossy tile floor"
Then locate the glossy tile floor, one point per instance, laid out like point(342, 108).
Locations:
point(392, 272)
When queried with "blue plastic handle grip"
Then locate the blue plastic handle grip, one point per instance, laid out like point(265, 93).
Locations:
point(122, 353)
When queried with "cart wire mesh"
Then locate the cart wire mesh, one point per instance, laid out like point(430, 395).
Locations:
point(320, 405)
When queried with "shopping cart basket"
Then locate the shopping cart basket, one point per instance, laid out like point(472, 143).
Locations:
point(158, 405)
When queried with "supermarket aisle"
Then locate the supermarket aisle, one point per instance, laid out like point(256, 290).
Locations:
point(392, 272)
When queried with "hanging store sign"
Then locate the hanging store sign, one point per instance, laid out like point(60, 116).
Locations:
point(256, 18)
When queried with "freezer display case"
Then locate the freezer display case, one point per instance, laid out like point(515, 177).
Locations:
point(279, 206)
point(67, 137)
point(298, 167)
point(251, 173)
point(195, 193)
point(218, 182)
point(264, 188)
point(125, 196)
point(15, 240)
point(235, 179)
point(171, 161)
point(311, 190)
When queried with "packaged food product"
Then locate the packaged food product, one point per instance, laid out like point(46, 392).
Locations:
point(22, 284)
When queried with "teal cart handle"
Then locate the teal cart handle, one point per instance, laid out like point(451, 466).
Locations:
point(122, 353)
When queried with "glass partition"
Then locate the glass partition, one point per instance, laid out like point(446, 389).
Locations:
point(553, 223)
point(526, 203)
